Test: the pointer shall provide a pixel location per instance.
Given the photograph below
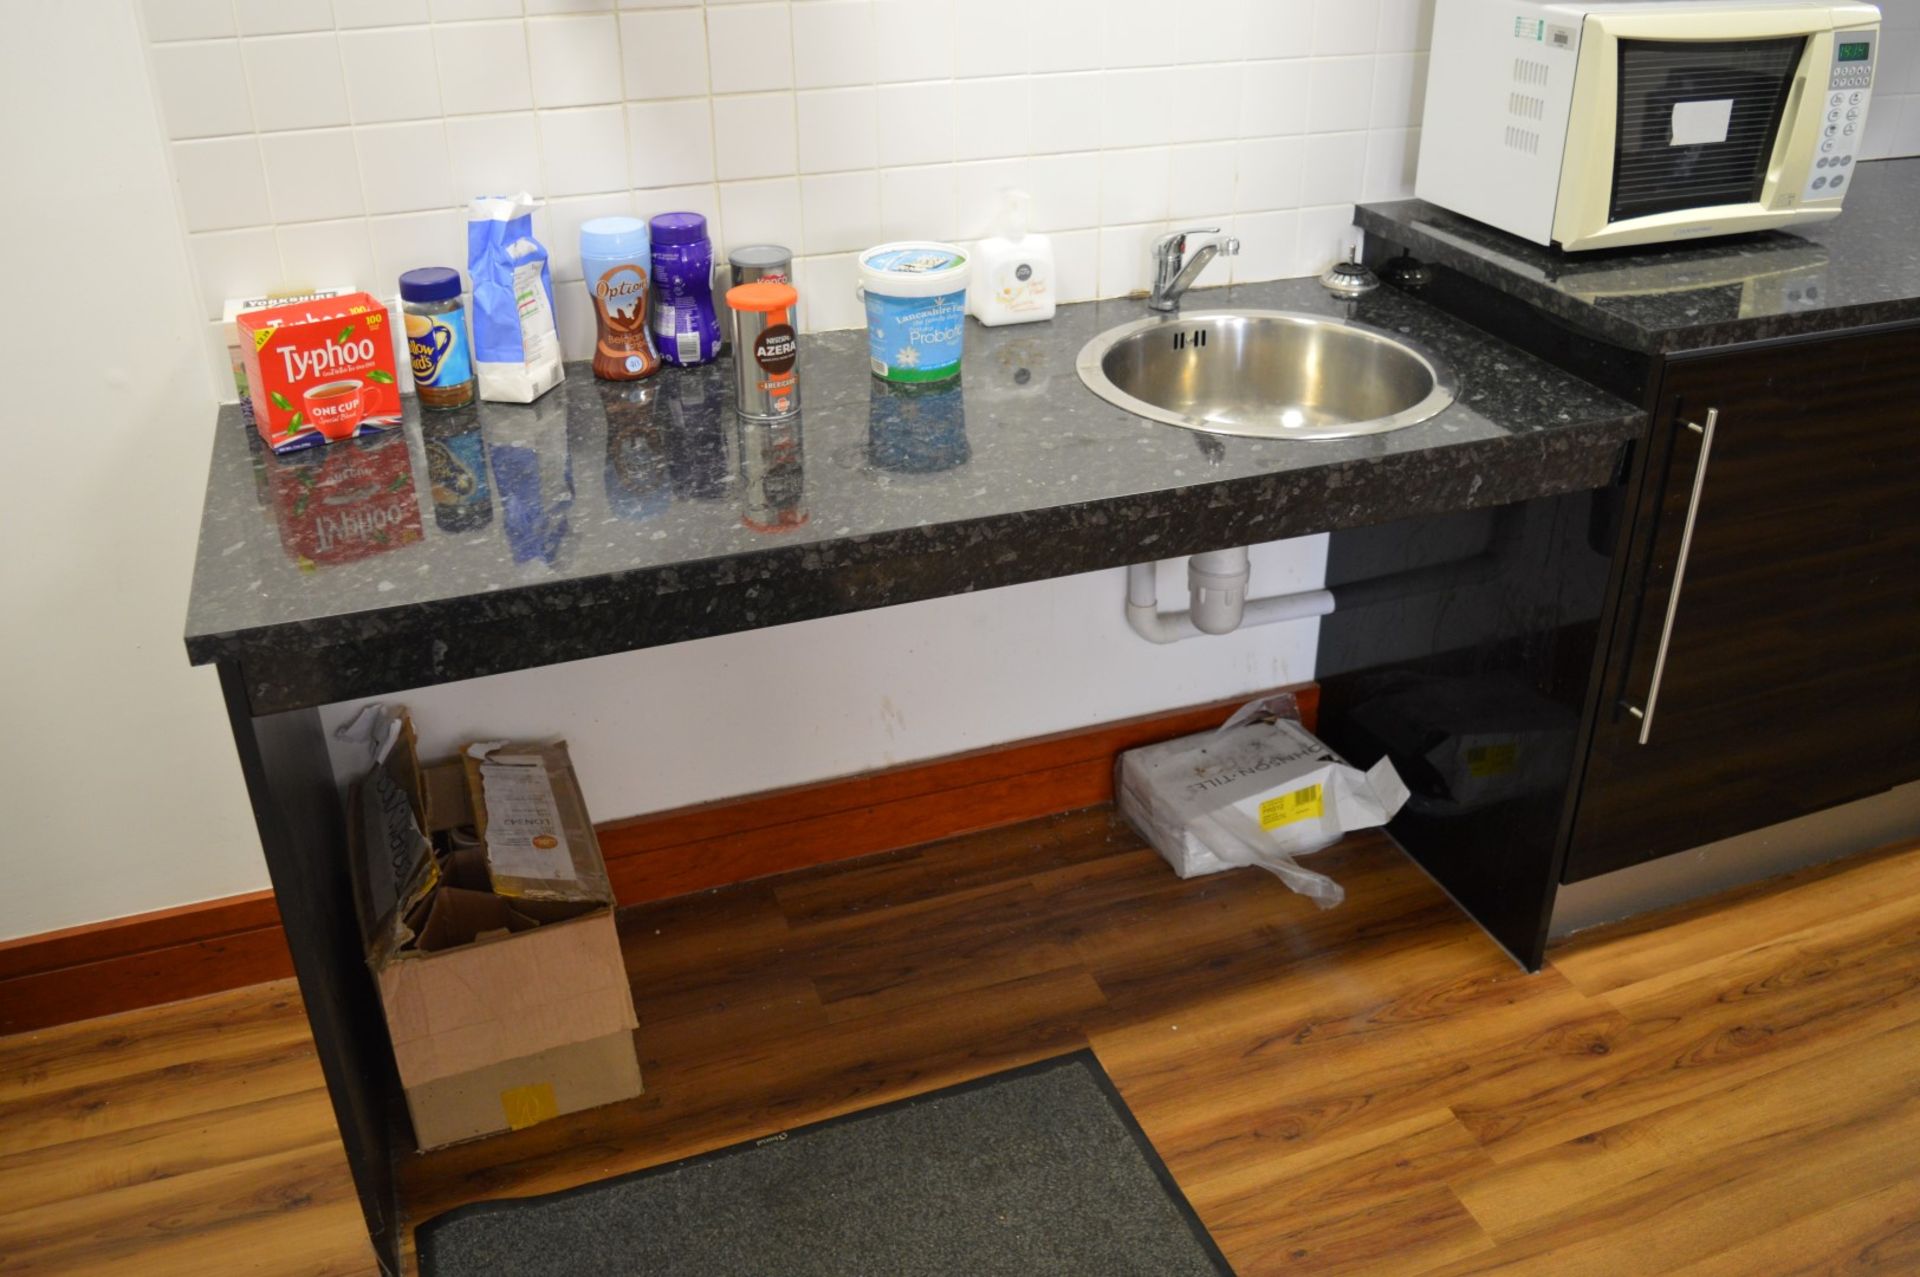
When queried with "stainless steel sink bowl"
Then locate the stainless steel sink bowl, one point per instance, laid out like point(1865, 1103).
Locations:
point(1266, 374)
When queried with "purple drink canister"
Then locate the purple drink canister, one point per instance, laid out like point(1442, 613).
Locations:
point(685, 328)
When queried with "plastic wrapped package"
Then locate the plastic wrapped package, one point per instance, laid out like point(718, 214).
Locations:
point(1258, 790)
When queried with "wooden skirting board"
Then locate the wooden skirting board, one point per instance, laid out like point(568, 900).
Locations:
point(150, 958)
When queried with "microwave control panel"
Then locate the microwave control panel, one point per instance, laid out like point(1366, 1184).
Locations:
point(1843, 115)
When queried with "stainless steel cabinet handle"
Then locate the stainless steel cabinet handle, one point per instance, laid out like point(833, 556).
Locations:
point(1645, 714)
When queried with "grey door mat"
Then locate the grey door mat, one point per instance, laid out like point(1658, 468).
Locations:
point(1037, 1170)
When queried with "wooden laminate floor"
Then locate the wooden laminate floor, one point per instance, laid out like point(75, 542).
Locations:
point(1730, 1088)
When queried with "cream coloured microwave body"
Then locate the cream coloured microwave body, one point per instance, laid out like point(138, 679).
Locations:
point(1601, 124)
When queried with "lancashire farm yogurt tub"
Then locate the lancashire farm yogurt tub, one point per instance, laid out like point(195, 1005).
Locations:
point(916, 295)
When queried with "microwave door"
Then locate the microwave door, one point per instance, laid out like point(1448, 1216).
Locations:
point(1698, 122)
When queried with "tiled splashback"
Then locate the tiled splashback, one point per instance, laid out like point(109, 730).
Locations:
point(326, 143)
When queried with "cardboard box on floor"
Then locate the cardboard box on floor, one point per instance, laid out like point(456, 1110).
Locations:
point(499, 967)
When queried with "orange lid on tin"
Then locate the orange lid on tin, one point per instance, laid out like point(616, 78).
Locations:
point(762, 296)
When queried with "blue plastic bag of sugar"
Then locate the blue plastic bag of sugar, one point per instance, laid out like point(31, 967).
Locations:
point(516, 343)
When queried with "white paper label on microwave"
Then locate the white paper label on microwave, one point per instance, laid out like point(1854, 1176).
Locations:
point(1701, 123)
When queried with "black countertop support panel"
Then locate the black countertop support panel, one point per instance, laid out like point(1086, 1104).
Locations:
point(1862, 268)
point(609, 517)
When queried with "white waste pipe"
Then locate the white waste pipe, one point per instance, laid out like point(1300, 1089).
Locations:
point(1217, 589)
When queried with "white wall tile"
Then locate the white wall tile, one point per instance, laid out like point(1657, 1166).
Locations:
point(1339, 94)
point(1391, 154)
point(409, 241)
point(1065, 35)
point(483, 67)
point(1405, 26)
point(917, 203)
point(833, 43)
point(750, 48)
point(1135, 33)
point(979, 194)
point(1267, 174)
point(1076, 266)
point(991, 37)
point(1345, 26)
point(1331, 165)
point(1274, 97)
point(1123, 258)
point(1399, 90)
point(1201, 179)
point(282, 17)
point(912, 40)
point(564, 218)
point(313, 252)
point(702, 198)
point(670, 143)
point(822, 124)
point(390, 75)
point(467, 10)
point(222, 183)
point(575, 60)
point(915, 122)
point(187, 19)
point(312, 176)
point(990, 118)
point(837, 129)
point(295, 81)
point(1268, 246)
point(1136, 107)
point(584, 150)
point(203, 91)
point(1204, 98)
point(827, 295)
point(840, 212)
point(349, 14)
point(753, 136)
point(1326, 235)
point(764, 212)
point(493, 154)
point(664, 53)
point(1133, 185)
point(404, 168)
point(234, 264)
point(1065, 190)
point(1066, 112)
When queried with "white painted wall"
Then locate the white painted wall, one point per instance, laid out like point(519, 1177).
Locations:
point(117, 776)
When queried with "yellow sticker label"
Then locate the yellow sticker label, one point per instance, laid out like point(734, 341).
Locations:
point(526, 1105)
point(1301, 804)
point(261, 336)
point(1492, 760)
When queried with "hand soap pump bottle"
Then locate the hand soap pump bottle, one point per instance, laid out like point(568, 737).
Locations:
point(1012, 271)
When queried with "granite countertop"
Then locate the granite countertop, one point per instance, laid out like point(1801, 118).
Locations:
point(612, 516)
point(1863, 267)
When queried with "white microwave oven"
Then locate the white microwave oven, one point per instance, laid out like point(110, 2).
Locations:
point(1599, 124)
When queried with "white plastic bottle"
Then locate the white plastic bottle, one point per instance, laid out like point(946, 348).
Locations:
point(1012, 271)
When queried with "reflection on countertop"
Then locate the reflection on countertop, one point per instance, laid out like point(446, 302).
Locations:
point(1860, 268)
point(656, 498)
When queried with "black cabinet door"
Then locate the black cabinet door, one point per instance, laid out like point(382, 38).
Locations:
point(1788, 678)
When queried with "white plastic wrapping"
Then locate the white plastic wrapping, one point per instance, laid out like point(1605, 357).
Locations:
point(1259, 790)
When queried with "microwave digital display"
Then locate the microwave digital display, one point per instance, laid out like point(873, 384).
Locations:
point(1858, 51)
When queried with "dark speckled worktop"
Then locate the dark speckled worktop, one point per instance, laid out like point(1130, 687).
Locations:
point(610, 517)
point(1861, 268)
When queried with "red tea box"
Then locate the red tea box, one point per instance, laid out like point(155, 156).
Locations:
point(320, 370)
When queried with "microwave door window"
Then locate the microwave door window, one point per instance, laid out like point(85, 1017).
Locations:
point(1697, 122)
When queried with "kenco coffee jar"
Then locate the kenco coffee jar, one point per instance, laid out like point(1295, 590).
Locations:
point(320, 371)
point(766, 384)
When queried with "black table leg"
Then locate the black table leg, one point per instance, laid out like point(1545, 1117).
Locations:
point(303, 833)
